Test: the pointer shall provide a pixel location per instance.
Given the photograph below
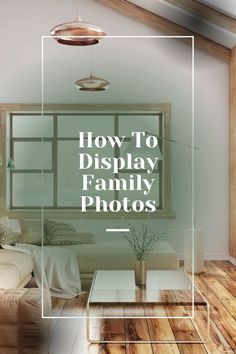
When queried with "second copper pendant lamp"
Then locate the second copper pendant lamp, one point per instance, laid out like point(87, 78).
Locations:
point(92, 83)
point(77, 33)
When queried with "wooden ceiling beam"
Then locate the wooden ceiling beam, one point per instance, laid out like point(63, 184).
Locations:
point(168, 27)
point(207, 13)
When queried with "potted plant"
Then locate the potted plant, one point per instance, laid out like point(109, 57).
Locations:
point(142, 240)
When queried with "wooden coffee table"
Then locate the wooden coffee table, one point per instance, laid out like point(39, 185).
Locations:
point(169, 297)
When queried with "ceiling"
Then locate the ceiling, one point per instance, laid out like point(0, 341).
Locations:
point(191, 15)
point(20, 61)
point(226, 7)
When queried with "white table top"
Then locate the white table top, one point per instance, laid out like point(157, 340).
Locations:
point(156, 279)
point(162, 287)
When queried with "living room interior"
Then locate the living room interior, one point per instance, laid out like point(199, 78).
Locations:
point(167, 69)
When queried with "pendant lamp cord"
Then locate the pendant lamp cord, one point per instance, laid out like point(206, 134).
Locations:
point(93, 10)
point(77, 17)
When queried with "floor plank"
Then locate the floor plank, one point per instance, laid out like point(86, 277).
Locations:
point(113, 328)
point(216, 343)
point(81, 345)
point(228, 267)
point(112, 349)
point(219, 315)
point(75, 307)
point(160, 329)
point(139, 349)
point(64, 336)
point(136, 328)
point(57, 306)
point(222, 294)
point(165, 349)
point(184, 330)
point(222, 276)
point(95, 323)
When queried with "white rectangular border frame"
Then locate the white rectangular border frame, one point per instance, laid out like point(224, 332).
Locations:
point(193, 182)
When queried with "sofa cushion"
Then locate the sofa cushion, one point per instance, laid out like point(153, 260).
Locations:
point(60, 233)
point(32, 231)
point(117, 255)
point(4, 220)
point(15, 269)
point(14, 224)
point(8, 236)
point(21, 323)
point(87, 237)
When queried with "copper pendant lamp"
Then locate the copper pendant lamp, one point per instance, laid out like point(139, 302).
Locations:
point(77, 33)
point(92, 84)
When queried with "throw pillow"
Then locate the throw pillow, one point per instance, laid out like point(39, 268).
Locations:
point(87, 237)
point(8, 236)
point(60, 233)
point(4, 220)
point(14, 224)
point(32, 232)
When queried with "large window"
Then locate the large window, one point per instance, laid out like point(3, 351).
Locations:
point(45, 153)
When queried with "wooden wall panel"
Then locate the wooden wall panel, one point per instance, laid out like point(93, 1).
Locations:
point(2, 156)
point(232, 154)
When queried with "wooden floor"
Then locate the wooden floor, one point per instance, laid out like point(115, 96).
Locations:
point(218, 286)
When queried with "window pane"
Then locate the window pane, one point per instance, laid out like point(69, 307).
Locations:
point(139, 195)
point(32, 126)
point(70, 176)
point(32, 155)
point(29, 191)
point(142, 152)
point(128, 124)
point(69, 126)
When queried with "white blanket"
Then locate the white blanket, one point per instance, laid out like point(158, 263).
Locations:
point(55, 268)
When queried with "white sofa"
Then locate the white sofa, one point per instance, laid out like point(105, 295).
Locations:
point(93, 254)
point(117, 255)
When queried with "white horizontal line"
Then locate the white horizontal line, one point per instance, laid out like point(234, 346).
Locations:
point(123, 317)
point(137, 36)
point(117, 230)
